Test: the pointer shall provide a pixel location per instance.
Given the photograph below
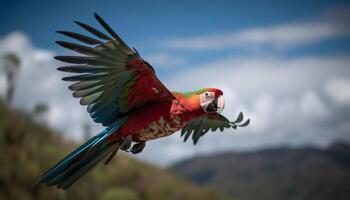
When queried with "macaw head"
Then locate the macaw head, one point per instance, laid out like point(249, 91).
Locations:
point(212, 100)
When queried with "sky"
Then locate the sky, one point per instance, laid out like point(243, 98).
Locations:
point(286, 65)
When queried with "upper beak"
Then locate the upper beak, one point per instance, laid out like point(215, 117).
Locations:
point(216, 105)
point(220, 104)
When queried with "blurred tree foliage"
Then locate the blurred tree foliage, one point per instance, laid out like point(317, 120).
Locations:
point(40, 112)
point(87, 131)
point(28, 149)
point(11, 63)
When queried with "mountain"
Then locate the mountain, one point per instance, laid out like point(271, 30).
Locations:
point(29, 148)
point(279, 173)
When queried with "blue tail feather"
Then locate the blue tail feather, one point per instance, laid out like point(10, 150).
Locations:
point(71, 168)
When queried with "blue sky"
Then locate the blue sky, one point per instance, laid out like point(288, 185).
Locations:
point(140, 22)
point(285, 64)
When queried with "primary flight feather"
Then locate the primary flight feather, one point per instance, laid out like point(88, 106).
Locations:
point(122, 92)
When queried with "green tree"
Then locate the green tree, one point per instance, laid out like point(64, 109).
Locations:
point(11, 67)
point(40, 110)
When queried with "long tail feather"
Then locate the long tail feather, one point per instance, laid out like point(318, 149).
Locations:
point(82, 160)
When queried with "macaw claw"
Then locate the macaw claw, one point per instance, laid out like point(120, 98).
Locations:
point(138, 147)
point(126, 144)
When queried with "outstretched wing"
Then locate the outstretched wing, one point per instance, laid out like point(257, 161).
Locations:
point(113, 78)
point(201, 125)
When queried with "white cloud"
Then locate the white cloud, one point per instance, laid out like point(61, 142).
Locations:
point(250, 76)
point(42, 56)
point(279, 37)
point(263, 113)
point(283, 97)
point(339, 90)
point(312, 107)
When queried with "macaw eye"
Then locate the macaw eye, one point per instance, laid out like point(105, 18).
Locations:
point(206, 94)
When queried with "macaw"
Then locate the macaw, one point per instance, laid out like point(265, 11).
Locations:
point(122, 92)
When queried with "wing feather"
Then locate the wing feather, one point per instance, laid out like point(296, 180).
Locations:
point(201, 125)
point(80, 37)
point(112, 78)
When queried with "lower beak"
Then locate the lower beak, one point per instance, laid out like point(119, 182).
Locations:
point(220, 104)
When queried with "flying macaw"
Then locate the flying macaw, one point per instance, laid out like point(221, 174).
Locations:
point(123, 93)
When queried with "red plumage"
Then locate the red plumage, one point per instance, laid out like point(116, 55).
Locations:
point(155, 120)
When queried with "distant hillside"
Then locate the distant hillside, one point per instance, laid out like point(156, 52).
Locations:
point(280, 173)
point(29, 149)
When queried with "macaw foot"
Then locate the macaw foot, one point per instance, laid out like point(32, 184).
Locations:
point(126, 144)
point(138, 147)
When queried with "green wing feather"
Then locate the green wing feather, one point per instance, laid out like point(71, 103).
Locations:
point(201, 125)
point(105, 81)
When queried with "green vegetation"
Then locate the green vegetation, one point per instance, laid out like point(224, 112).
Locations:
point(28, 149)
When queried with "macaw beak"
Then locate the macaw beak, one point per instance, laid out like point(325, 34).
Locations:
point(217, 105)
point(220, 104)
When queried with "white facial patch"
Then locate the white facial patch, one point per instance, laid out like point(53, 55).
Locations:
point(206, 98)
